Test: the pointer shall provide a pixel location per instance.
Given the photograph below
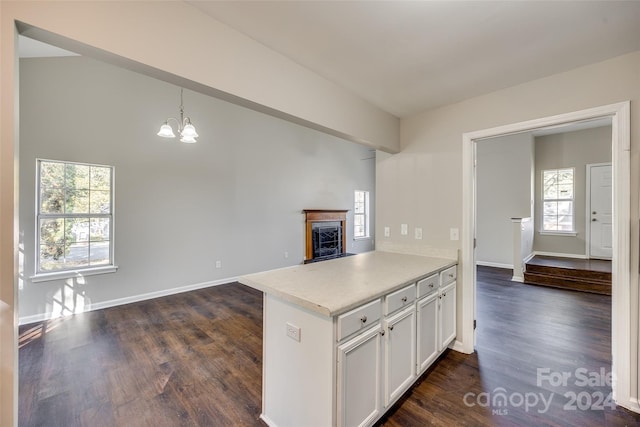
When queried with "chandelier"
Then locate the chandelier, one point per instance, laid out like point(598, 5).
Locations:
point(186, 130)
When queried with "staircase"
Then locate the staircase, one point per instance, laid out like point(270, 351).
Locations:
point(578, 275)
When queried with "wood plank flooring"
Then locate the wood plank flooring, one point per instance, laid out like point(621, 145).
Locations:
point(195, 359)
point(192, 359)
point(599, 265)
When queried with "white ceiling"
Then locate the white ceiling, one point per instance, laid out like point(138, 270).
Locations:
point(409, 56)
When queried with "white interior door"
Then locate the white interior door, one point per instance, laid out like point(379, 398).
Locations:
point(600, 211)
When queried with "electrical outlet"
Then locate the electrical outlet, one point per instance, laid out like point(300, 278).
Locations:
point(218, 264)
point(387, 232)
point(404, 229)
point(293, 332)
point(454, 234)
point(418, 233)
point(286, 254)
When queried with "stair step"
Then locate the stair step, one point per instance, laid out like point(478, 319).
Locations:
point(571, 273)
point(567, 282)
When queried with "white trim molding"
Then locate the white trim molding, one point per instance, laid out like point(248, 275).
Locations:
point(135, 298)
point(494, 264)
point(67, 274)
point(621, 290)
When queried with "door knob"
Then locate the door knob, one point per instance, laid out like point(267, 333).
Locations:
point(594, 212)
point(594, 219)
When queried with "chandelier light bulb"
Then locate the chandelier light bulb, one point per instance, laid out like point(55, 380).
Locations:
point(188, 139)
point(166, 131)
point(189, 130)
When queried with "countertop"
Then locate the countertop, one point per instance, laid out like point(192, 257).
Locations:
point(336, 286)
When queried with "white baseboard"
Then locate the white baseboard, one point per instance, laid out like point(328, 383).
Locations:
point(494, 264)
point(127, 300)
point(457, 346)
point(528, 257)
point(560, 255)
point(519, 279)
point(632, 405)
point(267, 420)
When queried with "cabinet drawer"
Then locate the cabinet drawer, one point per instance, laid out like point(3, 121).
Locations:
point(358, 319)
point(449, 275)
point(428, 285)
point(400, 298)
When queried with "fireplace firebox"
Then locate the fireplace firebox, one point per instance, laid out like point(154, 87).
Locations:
point(325, 234)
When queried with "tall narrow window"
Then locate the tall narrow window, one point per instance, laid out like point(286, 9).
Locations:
point(74, 216)
point(361, 215)
point(557, 200)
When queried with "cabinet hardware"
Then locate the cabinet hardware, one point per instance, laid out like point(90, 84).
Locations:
point(382, 333)
point(431, 285)
point(404, 299)
point(593, 219)
point(391, 328)
point(363, 319)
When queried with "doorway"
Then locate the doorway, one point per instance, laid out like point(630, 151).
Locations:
point(621, 318)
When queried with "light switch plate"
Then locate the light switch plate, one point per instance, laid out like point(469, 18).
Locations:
point(404, 229)
point(418, 233)
point(387, 232)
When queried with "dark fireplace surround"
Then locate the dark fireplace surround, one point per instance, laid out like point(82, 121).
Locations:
point(325, 234)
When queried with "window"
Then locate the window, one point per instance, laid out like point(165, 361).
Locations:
point(74, 216)
point(361, 215)
point(557, 201)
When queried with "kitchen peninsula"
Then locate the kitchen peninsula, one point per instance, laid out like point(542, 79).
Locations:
point(343, 339)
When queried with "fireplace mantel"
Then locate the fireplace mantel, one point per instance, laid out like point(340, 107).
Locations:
point(323, 215)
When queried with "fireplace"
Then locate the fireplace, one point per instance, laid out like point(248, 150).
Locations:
point(326, 239)
point(325, 234)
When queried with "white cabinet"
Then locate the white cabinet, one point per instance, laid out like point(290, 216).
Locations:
point(400, 353)
point(377, 366)
point(447, 318)
point(428, 344)
point(435, 316)
point(359, 379)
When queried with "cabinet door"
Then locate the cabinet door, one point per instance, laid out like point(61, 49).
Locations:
point(359, 385)
point(427, 343)
point(400, 353)
point(447, 302)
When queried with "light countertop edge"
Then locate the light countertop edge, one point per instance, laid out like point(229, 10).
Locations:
point(334, 287)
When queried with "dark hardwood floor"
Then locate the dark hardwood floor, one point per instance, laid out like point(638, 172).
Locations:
point(192, 359)
point(195, 359)
point(599, 265)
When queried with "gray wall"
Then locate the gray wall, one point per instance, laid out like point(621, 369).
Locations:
point(235, 196)
point(571, 149)
point(504, 191)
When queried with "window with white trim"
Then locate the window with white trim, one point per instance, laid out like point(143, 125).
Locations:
point(74, 216)
point(361, 215)
point(557, 200)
